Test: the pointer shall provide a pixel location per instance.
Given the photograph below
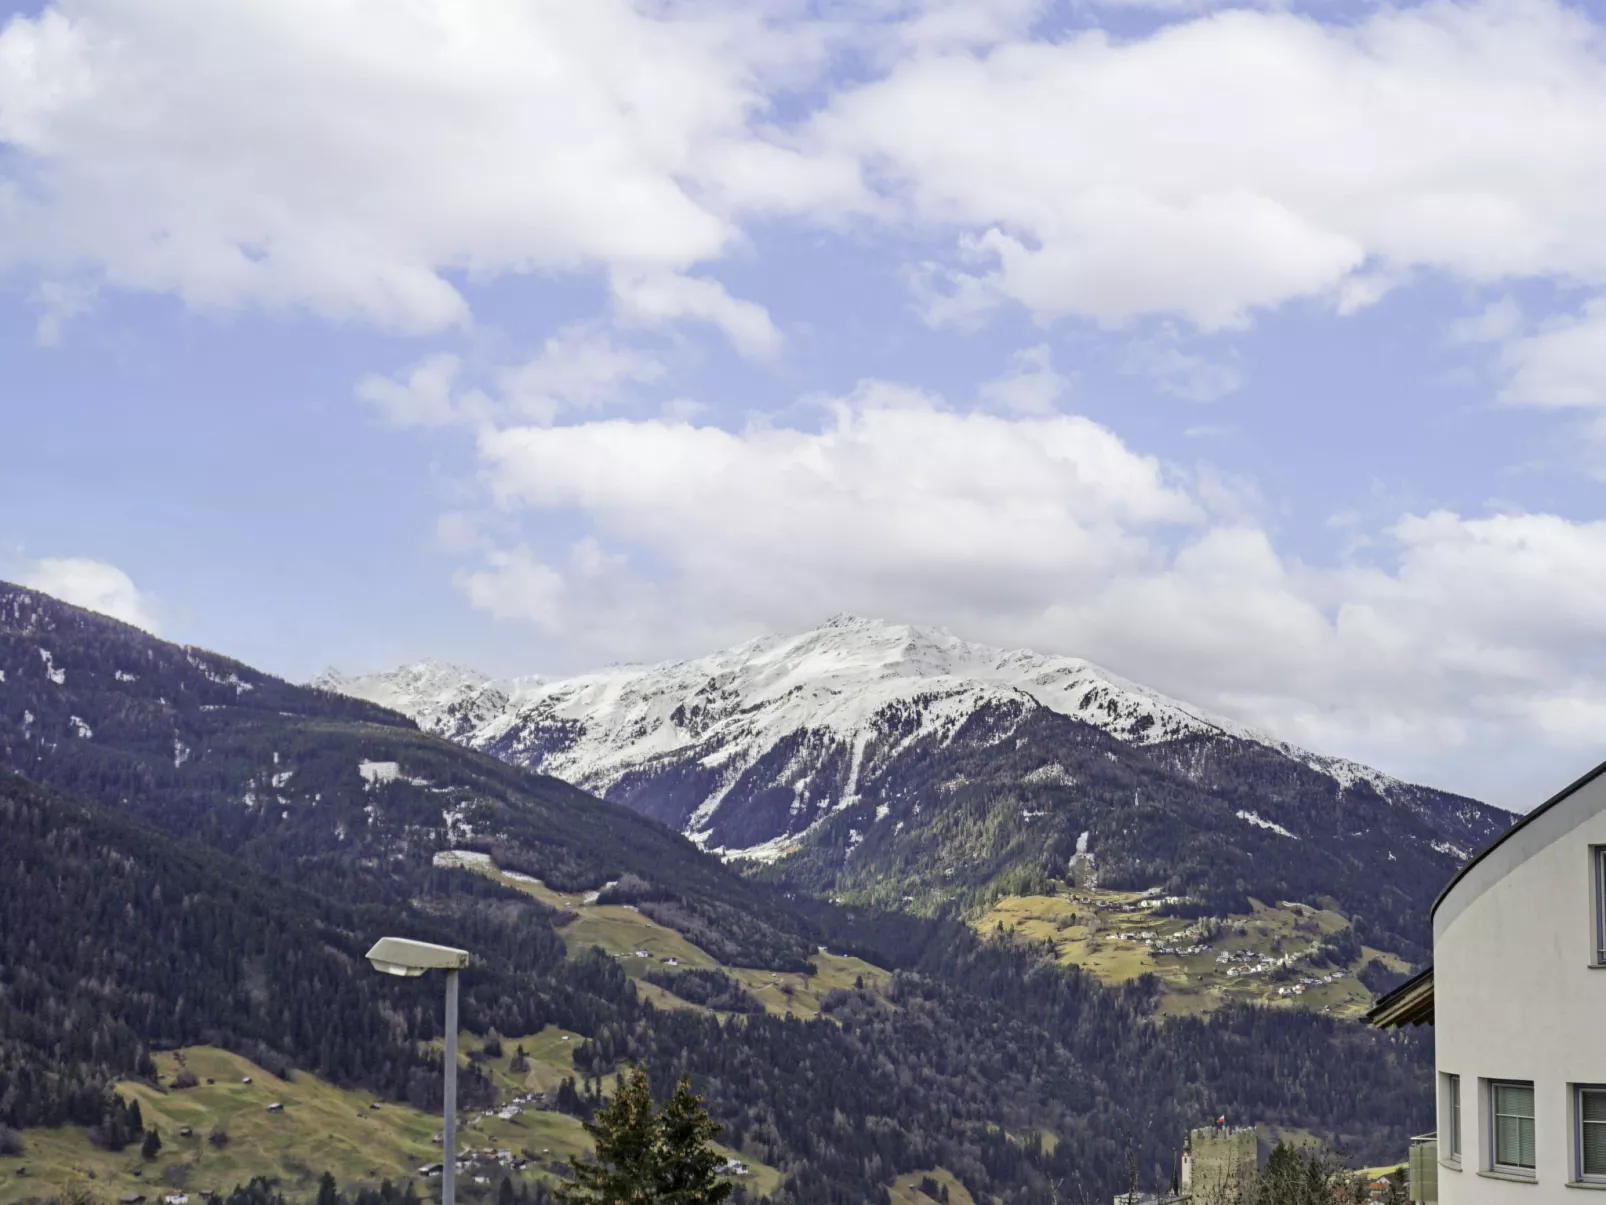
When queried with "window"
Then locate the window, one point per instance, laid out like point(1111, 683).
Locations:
point(1599, 859)
point(1452, 1117)
point(1511, 1108)
point(1590, 1108)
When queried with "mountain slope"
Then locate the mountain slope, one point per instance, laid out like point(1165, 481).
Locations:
point(334, 793)
point(902, 765)
point(239, 842)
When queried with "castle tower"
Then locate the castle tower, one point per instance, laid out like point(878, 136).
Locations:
point(1218, 1163)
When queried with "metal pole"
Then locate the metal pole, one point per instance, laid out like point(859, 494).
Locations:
point(449, 1167)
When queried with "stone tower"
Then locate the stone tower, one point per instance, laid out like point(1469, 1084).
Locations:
point(1219, 1163)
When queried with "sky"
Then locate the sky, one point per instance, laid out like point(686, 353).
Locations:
point(1256, 352)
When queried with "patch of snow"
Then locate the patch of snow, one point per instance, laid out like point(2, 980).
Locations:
point(120, 675)
point(882, 811)
point(211, 675)
point(1051, 773)
point(283, 777)
point(1257, 820)
point(80, 729)
point(181, 753)
point(1446, 847)
point(58, 676)
point(457, 828)
point(772, 850)
point(465, 859)
point(376, 772)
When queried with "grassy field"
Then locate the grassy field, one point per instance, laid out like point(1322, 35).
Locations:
point(641, 944)
point(1112, 934)
point(906, 1189)
point(320, 1127)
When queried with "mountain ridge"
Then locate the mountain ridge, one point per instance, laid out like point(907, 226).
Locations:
point(727, 710)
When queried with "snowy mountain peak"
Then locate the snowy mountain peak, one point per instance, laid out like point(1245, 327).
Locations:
point(427, 691)
point(797, 721)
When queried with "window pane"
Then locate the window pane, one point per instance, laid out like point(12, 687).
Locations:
point(1514, 1125)
point(1592, 1132)
point(1455, 1115)
point(1600, 904)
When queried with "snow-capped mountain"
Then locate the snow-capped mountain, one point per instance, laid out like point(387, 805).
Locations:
point(748, 749)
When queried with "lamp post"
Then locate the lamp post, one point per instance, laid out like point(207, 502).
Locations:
point(399, 956)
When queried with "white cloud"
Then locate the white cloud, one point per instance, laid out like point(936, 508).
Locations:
point(92, 584)
point(346, 156)
point(423, 397)
point(579, 367)
point(1031, 386)
point(896, 500)
point(1180, 373)
point(1561, 365)
point(356, 160)
point(1239, 160)
point(1464, 648)
point(656, 298)
point(1496, 322)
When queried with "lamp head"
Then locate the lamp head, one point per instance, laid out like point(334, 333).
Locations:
point(400, 956)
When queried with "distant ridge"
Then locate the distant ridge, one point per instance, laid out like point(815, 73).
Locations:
point(729, 710)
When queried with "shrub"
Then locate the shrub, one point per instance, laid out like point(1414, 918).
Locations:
point(219, 1136)
point(10, 1141)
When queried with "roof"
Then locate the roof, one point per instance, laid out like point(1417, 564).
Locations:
point(1409, 1004)
point(1516, 828)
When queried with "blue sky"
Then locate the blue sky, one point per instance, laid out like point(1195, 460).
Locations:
point(1256, 353)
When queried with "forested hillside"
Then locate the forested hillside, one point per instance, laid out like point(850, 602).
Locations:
point(327, 791)
point(198, 853)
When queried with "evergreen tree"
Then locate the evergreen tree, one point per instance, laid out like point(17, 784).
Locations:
point(687, 1162)
point(624, 1171)
point(152, 1145)
point(328, 1194)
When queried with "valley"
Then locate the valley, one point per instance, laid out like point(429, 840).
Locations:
point(952, 980)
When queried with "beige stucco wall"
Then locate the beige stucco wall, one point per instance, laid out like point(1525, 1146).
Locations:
point(1515, 996)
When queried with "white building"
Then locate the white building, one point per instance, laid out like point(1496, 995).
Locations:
point(1517, 999)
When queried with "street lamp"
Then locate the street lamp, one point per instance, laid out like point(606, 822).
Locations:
point(399, 956)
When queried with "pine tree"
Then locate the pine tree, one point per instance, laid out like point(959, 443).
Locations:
point(626, 1135)
point(152, 1145)
point(687, 1163)
point(328, 1194)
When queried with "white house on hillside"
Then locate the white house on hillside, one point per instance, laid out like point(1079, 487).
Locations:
point(1517, 998)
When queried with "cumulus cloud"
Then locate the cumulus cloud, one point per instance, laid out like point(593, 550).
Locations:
point(1561, 365)
point(1235, 161)
point(93, 584)
point(1031, 386)
point(420, 397)
point(895, 500)
point(1440, 633)
point(1225, 163)
point(577, 368)
point(354, 158)
point(657, 298)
